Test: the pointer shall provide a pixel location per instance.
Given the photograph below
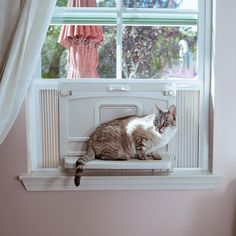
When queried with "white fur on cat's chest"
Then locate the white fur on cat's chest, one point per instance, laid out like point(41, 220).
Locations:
point(158, 140)
point(164, 138)
point(145, 122)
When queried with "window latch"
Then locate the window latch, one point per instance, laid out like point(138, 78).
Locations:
point(169, 93)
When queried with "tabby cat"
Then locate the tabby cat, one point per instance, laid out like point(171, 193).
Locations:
point(129, 137)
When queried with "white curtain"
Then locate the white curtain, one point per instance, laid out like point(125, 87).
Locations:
point(22, 56)
point(9, 13)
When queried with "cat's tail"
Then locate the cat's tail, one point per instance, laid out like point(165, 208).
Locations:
point(90, 155)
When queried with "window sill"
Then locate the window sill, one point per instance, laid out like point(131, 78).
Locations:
point(55, 180)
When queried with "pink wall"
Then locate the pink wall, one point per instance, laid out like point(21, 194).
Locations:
point(129, 213)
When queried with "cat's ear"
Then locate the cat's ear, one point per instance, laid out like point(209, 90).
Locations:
point(172, 111)
point(157, 109)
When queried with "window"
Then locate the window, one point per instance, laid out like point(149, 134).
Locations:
point(148, 42)
point(144, 52)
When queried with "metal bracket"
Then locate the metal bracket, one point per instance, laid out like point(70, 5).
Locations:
point(169, 93)
point(65, 92)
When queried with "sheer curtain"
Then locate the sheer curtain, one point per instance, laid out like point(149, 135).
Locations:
point(9, 13)
point(20, 60)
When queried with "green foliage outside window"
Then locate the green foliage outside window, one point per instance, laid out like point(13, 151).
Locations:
point(147, 50)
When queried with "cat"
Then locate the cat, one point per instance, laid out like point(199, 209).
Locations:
point(129, 137)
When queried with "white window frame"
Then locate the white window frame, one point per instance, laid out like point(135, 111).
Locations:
point(38, 179)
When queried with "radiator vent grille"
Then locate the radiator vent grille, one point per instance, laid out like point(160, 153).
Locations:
point(49, 127)
point(187, 138)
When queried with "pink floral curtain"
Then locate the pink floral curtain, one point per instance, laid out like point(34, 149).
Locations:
point(82, 42)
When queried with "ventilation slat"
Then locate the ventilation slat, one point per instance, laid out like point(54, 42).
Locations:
point(49, 128)
point(187, 138)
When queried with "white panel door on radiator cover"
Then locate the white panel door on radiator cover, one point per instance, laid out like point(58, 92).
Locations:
point(86, 104)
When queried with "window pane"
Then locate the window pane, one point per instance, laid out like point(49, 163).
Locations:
point(55, 57)
point(179, 4)
point(88, 3)
point(159, 52)
point(107, 53)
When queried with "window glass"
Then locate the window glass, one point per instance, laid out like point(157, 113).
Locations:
point(179, 4)
point(88, 3)
point(159, 51)
point(150, 45)
point(54, 56)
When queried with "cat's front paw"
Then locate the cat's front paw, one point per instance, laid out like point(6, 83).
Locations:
point(143, 157)
point(155, 156)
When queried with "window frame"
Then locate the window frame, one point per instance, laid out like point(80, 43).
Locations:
point(120, 17)
point(202, 178)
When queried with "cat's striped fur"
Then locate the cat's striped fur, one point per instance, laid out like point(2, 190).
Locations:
point(129, 137)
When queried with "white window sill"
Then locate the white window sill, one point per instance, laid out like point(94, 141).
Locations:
point(55, 180)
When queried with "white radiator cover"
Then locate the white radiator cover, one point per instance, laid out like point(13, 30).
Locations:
point(186, 139)
point(187, 136)
point(49, 110)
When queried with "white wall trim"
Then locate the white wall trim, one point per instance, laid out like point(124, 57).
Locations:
point(55, 180)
